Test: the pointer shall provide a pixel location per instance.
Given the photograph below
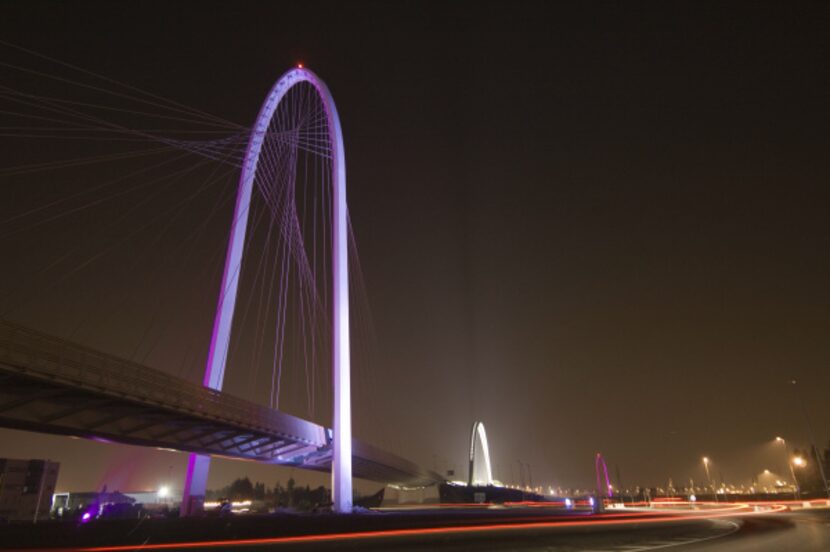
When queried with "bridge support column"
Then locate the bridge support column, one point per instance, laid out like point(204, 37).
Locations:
point(195, 485)
point(341, 466)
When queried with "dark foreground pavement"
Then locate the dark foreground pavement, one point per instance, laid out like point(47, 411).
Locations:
point(804, 530)
point(517, 530)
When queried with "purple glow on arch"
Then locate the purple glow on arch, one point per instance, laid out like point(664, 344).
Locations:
point(600, 461)
point(195, 484)
point(220, 338)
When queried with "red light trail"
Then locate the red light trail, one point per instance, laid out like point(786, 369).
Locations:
point(732, 510)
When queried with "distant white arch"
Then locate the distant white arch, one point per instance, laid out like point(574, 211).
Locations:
point(478, 431)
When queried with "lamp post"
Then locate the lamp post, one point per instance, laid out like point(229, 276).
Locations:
point(794, 382)
point(796, 489)
point(163, 494)
point(709, 477)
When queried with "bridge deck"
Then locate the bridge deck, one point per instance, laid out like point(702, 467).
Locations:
point(54, 386)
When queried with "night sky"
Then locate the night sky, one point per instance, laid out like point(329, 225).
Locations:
point(595, 226)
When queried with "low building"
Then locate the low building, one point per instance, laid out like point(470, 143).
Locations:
point(86, 505)
point(26, 488)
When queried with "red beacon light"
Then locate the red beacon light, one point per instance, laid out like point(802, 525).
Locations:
point(300, 66)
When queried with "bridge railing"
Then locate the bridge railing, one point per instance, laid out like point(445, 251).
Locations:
point(52, 358)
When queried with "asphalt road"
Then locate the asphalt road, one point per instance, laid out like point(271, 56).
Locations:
point(518, 530)
point(804, 531)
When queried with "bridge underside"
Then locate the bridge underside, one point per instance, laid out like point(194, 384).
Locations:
point(51, 386)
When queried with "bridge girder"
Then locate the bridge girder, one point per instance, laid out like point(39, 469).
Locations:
point(52, 386)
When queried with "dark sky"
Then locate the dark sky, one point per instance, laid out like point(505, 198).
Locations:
point(595, 226)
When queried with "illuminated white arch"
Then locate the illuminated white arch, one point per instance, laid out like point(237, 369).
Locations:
point(217, 356)
point(478, 431)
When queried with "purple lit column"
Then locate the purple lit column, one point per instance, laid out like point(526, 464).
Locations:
point(198, 465)
point(341, 467)
point(600, 463)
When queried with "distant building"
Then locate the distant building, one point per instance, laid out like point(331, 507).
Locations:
point(26, 488)
point(75, 504)
point(62, 502)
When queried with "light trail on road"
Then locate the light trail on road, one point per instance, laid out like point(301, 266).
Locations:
point(600, 520)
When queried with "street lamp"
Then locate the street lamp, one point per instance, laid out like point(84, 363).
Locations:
point(709, 477)
point(163, 493)
point(765, 475)
point(820, 464)
point(799, 461)
point(796, 489)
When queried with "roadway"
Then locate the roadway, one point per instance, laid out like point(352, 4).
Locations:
point(491, 530)
point(805, 530)
point(787, 532)
point(802, 531)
